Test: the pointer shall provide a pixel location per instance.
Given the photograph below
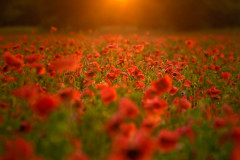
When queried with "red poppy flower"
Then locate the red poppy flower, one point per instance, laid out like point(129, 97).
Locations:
point(225, 76)
point(33, 58)
point(90, 74)
point(66, 64)
point(173, 90)
point(53, 29)
point(77, 155)
point(28, 92)
point(182, 104)
point(111, 76)
point(137, 147)
point(69, 94)
point(44, 105)
point(108, 95)
point(187, 83)
point(150, 123)
point(235, 155)
point(40, 69)
point(156, 105)
point(163, 85)
point(18, 149)
point(167, 140)
point(139, 85)
point(12, 61)
point(219, 122)
point(213, 92)
point(138, 48)
point(128, 108)
point(113, 124)
point(188, 132)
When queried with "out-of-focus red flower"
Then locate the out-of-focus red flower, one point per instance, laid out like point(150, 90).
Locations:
point(40, 69)
point(138, 147)
point(66, 64)
point(187, 83)
point(138, 48)
point(225, 76)
point(182, 104)
point(155, 106)
point(44, 105)
point(53, 29)
point(213, 92)
point(28, 92)
point(90, 74)
point(69, 94)
point(220, 122)
point(33, 58)
point(13, 61)
point(163, 85)
point(77, 155)
point(25, 127)
point(128, 108)
point(150, 123)
point(235, 155)
point(113, 124)
point(187, 131)
point(167, 140)
point(18, 149)
point(108, 95)
point(3, 105)
point(173, 90)
point(190, 43)
point(139, 85)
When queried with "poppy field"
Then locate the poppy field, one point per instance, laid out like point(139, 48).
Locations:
point(119, 96)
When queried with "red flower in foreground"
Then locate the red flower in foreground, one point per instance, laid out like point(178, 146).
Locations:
point(137, 147)
point(163, 85)
point(128, 108)
point(77, 156)
point(17, 149)
point(44, 105)
point(113, 124)
point(108, 95)
point(150, 123)
point(167, 140)
point(13, 61)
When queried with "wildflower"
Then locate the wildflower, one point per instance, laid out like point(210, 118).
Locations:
point(173, 90)
point(138, 147)
point(156, 105)
point(182, 104)
point(187, 83)
point(108, 95)
point(167, 140)
point(13, 61)
point(44, 105)
point(128, 108)
point(213, 92)
point(163, 85)
point(225, 76)
point(18, 149)
point(67, 64)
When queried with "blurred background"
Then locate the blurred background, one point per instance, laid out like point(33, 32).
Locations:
point(150, 14)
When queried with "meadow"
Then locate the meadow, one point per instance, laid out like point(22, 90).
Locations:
point(145, 96)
